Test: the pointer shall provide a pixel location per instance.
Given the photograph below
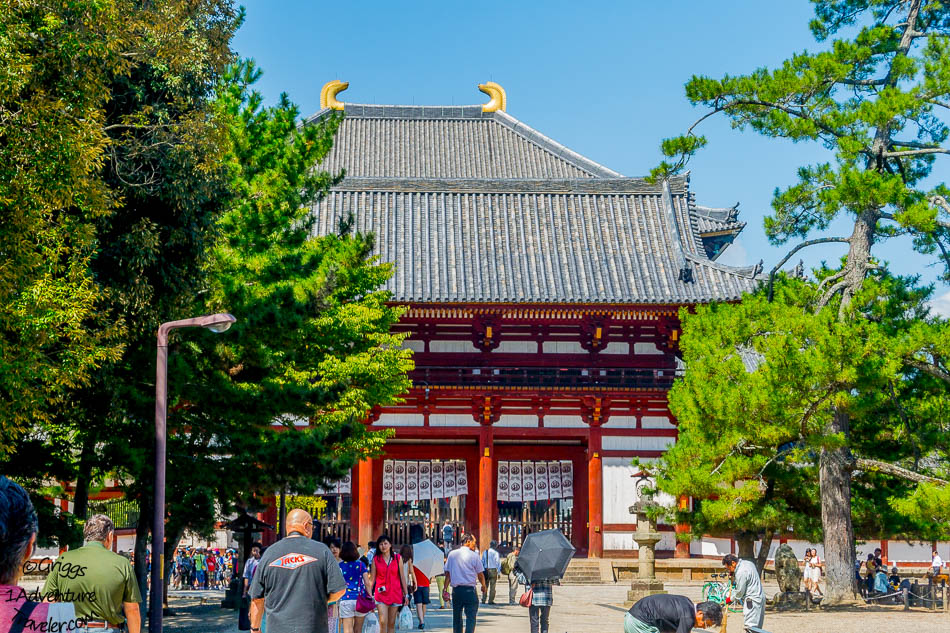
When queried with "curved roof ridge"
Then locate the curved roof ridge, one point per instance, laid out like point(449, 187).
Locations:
point(531, 134)
point(749, 272)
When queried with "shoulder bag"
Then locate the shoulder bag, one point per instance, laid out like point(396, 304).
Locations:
point(526, 598)
point(364, 602)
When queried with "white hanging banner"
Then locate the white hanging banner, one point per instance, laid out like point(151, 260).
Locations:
point(514, 481)
point(412, 481)
point(567, 480)
point(388, 482)
point(425, 480)
point(345, 485)
point(527, 482)
point(554, 479)
point(449, 487)
point(503, 481)
point(399, 479)
point(461, 478)
point(542, 492)
point(438, 480)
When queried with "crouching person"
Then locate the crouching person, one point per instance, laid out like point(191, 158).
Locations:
point(664, 613)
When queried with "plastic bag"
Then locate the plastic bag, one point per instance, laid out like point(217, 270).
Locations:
point(371, 623)
point(404, 621)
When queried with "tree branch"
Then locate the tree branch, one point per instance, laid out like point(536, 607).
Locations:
point(788, 256)
point(874, 465)
point(928, 368)
point(916, 152)
point(838, 275)
point(862, 82)
point(940, 201)
point(835, 289)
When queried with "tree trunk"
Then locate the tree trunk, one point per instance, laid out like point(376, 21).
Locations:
point(142, 530)
point(745, 539)
point(835, 480)
point(83, 478)
point(763, 555)
point(173, 535)
point(859, 257)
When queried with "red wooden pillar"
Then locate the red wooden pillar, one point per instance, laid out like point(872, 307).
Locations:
point(269, 536)
point(472, 500)
point(377, 517)
point(595, 495)
point(579, 517)
point(486, 487)
point(682, 549)
point(362, 509)
point(884, 552)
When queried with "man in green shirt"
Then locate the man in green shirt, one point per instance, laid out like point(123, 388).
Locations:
point(99, 582)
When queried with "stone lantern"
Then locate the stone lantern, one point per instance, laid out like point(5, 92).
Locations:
point(646, 537)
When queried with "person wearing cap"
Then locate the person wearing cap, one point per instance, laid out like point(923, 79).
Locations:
point(107, 592)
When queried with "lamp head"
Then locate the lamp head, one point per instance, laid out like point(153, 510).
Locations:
point(218, 323)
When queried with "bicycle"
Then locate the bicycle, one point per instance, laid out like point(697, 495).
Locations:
point(720, 591)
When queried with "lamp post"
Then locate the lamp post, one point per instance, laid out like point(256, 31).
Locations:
point(216, 323)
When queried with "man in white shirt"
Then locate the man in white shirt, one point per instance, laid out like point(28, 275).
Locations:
point(463, 568)
point(936, 563)
point(749, 591)
point(491, 561)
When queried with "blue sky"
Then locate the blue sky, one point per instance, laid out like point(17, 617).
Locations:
point(603, 78)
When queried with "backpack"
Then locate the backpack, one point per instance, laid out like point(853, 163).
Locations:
point(506, 565)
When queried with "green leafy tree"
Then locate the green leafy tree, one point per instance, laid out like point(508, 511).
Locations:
point(110, 196)
point(51, 195)
point(279, 402)
point(764, 377)
point(872, 100)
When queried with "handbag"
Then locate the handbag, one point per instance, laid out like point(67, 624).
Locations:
point(364, 602)
point(526, 598)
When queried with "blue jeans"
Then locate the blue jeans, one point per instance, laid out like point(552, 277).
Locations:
point(464, 599)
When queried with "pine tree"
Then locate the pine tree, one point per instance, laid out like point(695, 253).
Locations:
point(871, 100)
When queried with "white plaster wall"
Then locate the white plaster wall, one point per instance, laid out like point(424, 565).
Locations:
point(621, 422)
point(564, 422)
point(709, 546)
point(563, 347)
point(625, 541)
point(616, 348)
point(414, 345)
point(452, 419)
point(452, 346)
point(517, 420)
point(619, 490)
point(636, 443)
point(646, 348)
point(897, 551)
point(915, 551)
point(517, 347)
point(656, 422)
point(618, 540)
point(400, 419)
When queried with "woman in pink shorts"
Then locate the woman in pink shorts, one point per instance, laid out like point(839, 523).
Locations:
point(389, 582)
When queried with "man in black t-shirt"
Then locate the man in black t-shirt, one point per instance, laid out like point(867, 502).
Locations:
point(665, 613)
point(295, 580)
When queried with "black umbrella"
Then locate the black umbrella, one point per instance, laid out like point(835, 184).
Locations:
point(544, 555)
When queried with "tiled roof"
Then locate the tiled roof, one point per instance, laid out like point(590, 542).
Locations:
point(717, 220)
point(477, 207)
point(448, 142)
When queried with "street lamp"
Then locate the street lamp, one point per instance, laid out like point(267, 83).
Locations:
point(216, 323)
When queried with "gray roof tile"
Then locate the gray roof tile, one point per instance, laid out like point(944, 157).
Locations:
point(478, 207)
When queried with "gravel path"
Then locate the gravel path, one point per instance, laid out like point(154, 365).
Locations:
point(594, 609)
